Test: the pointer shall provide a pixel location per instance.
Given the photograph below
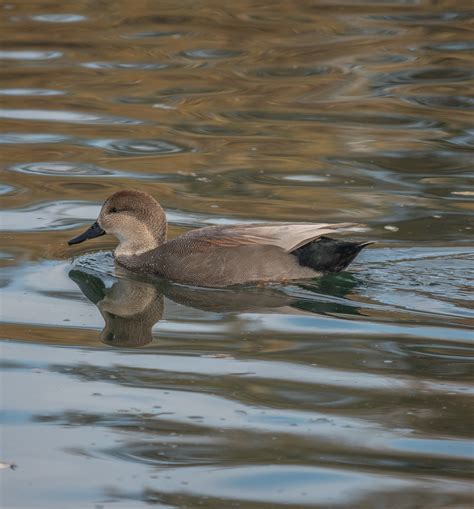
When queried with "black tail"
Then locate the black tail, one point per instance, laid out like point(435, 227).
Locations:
point(328, 255)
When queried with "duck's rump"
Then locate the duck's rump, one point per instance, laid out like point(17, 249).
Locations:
point(328, 255)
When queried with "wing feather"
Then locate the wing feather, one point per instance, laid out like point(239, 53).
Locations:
point(287, 236)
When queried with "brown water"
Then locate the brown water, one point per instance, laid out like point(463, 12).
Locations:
point(349, 391)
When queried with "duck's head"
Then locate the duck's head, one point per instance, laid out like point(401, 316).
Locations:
point(135, 218)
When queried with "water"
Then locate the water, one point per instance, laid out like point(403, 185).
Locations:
point(348, 391)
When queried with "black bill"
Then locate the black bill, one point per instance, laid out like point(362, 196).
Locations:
point(94, 231)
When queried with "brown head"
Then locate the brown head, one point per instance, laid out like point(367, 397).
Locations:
point(135, 218)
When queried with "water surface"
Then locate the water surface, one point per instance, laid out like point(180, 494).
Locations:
point(348, 391)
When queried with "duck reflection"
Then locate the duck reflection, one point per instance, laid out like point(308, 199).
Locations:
point(130, 307)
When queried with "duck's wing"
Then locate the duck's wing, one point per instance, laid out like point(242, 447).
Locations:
point(286, 236)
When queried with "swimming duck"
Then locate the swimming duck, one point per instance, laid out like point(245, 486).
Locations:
point(218, 256)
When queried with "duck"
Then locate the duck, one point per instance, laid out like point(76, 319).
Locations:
point(218, 256)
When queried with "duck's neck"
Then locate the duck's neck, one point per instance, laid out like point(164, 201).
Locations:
point(144, 239)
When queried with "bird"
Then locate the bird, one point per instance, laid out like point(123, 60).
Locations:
point(218, 256)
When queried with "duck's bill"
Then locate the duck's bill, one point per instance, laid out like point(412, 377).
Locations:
point(94, 231)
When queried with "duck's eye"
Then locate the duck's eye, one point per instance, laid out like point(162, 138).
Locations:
point(113, 210)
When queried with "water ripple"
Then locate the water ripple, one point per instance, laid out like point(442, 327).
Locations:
point(446, 16)
point(302, 486)
point(427, 75)
point(65, 169)
point(146, 66)
point(465, 139)
point(388, 121)
point(138, 147)
point(452, 102)
point(73, 169)
point(33, 138)
point(155, 34)
point(29, 55)
point(294, 71)
point(127, 147)
point(48, 216)
point(6, 189)
point(210, 53)
point(59, 18)
point(453, 46)
point(29, 92)
point(64, 116)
